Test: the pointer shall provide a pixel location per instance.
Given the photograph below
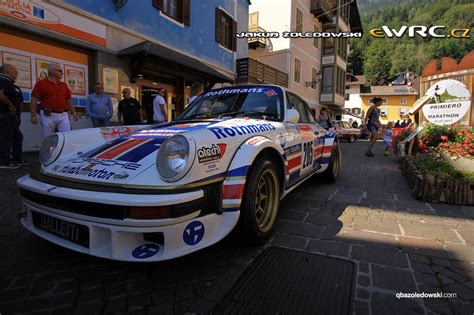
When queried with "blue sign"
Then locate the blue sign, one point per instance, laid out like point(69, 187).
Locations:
point(145, 251)
point(193, 233)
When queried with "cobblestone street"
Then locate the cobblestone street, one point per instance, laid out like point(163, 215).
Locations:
point(369, 217)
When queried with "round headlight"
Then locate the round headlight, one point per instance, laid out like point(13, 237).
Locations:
point(173, 159)
point(50, 149)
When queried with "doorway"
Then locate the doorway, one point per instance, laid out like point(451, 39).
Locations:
point(148, 95)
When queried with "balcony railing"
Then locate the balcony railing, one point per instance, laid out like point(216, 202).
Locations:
point(251, 71)
point(255, 43)
point(322, 10)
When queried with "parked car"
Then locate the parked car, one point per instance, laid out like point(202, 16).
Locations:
point(153, 193)
point(346, 131)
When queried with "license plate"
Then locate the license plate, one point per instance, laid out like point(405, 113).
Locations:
point(76, 233)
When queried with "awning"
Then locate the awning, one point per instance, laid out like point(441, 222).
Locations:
point(172, 62)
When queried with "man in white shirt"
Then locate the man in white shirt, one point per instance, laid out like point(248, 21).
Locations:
point(196, 89)
point(160, 109)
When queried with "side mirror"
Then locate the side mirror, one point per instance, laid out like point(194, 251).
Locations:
point(293, 116)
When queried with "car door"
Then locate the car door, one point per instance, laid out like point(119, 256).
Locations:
point(319, 134)
point(307, 134)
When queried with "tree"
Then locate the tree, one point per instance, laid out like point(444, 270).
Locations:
point(405, 57)
point(377, 64)
point(356, 61)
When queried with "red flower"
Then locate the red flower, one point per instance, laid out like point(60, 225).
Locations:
point(444, 138)
point(453, 150)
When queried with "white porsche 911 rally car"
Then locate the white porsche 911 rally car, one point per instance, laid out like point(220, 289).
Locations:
point(153, 193)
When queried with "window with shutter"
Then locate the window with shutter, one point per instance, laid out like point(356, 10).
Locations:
point(226, 28)
point(179, 10)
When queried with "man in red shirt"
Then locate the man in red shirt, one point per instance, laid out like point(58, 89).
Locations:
point(55, 100)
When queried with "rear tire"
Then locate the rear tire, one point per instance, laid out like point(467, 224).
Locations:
point(260, 203)
point(332, 172)
point(352, 139)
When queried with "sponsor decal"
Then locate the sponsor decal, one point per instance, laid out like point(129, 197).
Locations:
point(145, 251)
point(212, 153)
point(194, 233)
point(28, 10)
point(190, 125)
point(293, 149)
point(271, 93)
point(115, 132)
point(234, 91)
point(256, 140)
point(232, 131)
point(99, 169)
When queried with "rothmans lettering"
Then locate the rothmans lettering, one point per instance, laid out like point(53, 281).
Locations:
point(221, 133)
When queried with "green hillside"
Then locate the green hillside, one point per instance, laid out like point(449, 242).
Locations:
point(380, 58)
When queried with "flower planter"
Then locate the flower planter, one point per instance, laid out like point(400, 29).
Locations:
point(461, 164)
point(433, 189)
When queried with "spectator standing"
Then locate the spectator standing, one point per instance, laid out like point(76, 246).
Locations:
point(196, 89)
point(160, 108)
point(10, 107)
point(99, 107)
point(404, 123)
point(324, 119)
point(55, 98)
point(387, 138)
point(372, 121)
point(397, 124)
point(129, 108)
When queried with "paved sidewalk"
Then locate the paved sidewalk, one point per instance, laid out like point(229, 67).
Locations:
point(399, 244)
point(368, 216)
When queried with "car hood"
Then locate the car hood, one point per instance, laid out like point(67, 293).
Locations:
point(130, 160)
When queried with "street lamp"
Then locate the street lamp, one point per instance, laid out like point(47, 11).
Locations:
point(316, 79)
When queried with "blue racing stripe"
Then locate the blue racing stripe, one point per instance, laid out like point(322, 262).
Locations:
point(102, 148)
point(294, 177)
point(141, 151)
point(325, 160)
point(241, 171)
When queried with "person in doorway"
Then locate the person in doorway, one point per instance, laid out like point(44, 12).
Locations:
point(99, 107)
point(196, 89)
point(11, 138)
point(129, 108)
point(387, 138)
point(324, 119)
point(372, 121)
point(55, 98)
point(160, 108)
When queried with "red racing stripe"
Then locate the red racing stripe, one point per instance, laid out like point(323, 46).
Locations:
point(232, 191)
point(119, 149)
point(294, 162)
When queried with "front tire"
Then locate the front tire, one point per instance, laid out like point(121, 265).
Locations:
point(332, 172)
point(260, 203)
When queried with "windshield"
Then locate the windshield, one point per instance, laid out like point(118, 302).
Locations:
point(252, 101)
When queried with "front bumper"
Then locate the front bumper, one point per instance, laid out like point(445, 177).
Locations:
point(126, 239)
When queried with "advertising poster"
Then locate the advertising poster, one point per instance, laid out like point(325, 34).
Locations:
point(22, 65)
point(75, 79)
point(111, 80)
point(42, 68)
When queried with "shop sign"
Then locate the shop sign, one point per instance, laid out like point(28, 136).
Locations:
point(51, 17)
point(449, 101)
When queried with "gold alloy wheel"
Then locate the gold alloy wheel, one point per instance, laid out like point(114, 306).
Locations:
point(266, 200)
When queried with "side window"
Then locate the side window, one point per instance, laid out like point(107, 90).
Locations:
point(298, 104)
point(309, 113)
point(346, 125)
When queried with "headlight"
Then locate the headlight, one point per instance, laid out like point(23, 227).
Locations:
point(50, 149)
point(174, 159)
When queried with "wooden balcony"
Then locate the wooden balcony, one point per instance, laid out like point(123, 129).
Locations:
point(251, 71)
point(255, 43)
point(321, 9)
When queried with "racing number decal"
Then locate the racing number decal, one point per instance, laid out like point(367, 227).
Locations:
point(308, 154)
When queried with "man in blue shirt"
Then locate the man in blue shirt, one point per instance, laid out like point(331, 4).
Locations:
point(99, 107)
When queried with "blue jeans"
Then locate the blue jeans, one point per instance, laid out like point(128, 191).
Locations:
point(100, 122)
